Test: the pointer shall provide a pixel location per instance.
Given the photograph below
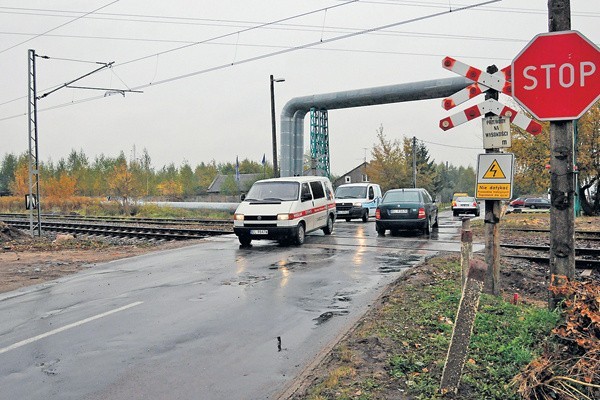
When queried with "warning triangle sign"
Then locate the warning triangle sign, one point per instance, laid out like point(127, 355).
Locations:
point(494, 172)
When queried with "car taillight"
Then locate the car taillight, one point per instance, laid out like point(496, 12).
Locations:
point(378, 214)
point(421, 213)
point(453, 204)
point(474, 204)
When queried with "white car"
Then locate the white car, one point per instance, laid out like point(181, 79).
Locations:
point(285, 209)
point(357, 200)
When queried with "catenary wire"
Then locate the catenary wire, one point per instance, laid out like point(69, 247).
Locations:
point(275, 53)
point(57, 27)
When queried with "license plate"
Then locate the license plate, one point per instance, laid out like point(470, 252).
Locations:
point(259, 232)
point(343, 212)
point(401, 211)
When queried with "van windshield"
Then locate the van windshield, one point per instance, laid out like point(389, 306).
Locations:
point(351, 192)
point(282, 191)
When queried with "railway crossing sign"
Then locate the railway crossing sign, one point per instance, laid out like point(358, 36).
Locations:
point(499, 81)
point(494, 176)
point(557, 76)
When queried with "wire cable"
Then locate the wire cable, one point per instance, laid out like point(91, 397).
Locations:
point(55, 28)
point(268, 55)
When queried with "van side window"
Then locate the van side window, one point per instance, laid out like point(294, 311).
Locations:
point(317, 189)
point(328, 192)
point(371, 193)
point(305, 190)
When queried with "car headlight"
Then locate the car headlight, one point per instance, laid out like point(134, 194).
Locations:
point(357, 204)
point(238, 217)
point(283, 217)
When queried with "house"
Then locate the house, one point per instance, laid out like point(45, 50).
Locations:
point(356, 175)
point(246, 180)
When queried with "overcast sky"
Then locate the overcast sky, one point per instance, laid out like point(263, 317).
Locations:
point(204, 67)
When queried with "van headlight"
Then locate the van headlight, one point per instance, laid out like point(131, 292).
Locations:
point(359, 205)
point(238, 217)
point(283, 217)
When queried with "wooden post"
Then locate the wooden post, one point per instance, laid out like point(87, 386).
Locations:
point(492, 246)
point(492, 219)
point(466, 248)
point(463, 328)
point(562, 182)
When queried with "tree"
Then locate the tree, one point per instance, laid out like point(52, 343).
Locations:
point(532, 154)
point(388, 166)
point(588, 160)
point(7, 172)
point(426, 171)
point(62, 188)
point(123, 185)
point(171, 189)
point(229, 186)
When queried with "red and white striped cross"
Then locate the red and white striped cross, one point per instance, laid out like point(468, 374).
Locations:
point(499, 81)
point(495, 107)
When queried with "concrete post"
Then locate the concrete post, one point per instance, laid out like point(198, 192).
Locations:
point(463, 328)
point(466, 248)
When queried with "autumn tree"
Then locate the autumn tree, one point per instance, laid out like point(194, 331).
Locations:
point(20, 185)
point(61, 188)
point(123, 185)
point(388, 166)
point(588, 160)
point(532, 154)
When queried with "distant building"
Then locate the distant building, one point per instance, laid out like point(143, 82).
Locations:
point(356, 175)
point(246, 180)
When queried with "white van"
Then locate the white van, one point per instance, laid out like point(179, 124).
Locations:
point(357, 200)
point(285, 209)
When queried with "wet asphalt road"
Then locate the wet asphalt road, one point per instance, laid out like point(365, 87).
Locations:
point(200, 322)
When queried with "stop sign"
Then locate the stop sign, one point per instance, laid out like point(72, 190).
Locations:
point(557, 76)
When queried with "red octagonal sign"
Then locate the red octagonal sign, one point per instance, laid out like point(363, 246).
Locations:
point(557, 75)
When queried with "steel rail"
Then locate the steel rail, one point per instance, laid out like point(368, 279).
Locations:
point(142, 232)
point(154, 221)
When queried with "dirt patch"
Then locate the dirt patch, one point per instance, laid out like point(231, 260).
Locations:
point(26, 261)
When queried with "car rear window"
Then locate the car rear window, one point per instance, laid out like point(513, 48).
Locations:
point(402, 197)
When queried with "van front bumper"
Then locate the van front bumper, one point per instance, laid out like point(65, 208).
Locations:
point(273, 233)
point(352, 212)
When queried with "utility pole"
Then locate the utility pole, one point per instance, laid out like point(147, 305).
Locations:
point(562, 178)
point(33, 198)
point(414, 151)
point(33, 201)
point(273, 126)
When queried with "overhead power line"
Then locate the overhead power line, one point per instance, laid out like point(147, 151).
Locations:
point(59, 26)
point(268, 55)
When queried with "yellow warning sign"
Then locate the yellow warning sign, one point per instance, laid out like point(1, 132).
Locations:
point(493, 191)
point(494, 172)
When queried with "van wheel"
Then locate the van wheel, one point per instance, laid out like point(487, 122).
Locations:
point(329, 227)
point(365, 216)
point(300, 234)
point(436, 223)
point(245, 241)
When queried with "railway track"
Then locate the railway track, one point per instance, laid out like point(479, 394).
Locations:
point(137, 220)
point(138, 230)
point(155, 229)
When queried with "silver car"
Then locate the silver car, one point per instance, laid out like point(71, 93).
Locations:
point(465, 205)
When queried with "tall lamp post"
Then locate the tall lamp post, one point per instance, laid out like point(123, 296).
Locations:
point(273, 127)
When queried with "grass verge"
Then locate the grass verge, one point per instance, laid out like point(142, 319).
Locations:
point(398, 351)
